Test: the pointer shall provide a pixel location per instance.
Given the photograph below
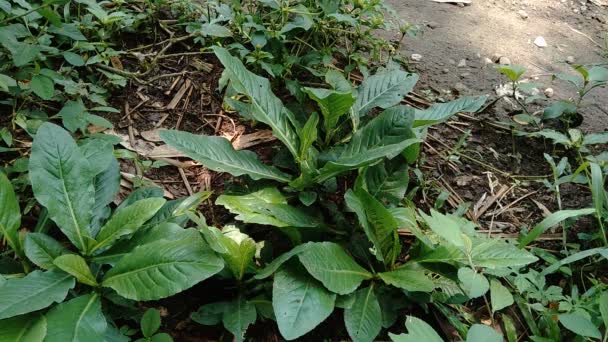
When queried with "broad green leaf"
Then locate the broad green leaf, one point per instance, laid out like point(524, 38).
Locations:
point(265, 106)
point(557, 137)
point(408, 279)
point(240, 251)
point(150, 322)
point(161, 269)
point(62, 182)
point(162, 337)
point(500, 296)
point(551, 221)
point(513, 72)
point(33, 292)
point(113, 334)
point(68, 30)
point(76, 266)
point(381, 227)
point(385, 136)
point(272, 267)
point(386, 184)
point(333, 104)
point(483, 333)
point(209, 314)
point(6, 82)
point(329, 264)
point(595, 138)
point(79, 319)
point(163, 231)
point(238, 316)
point(604, 308)
point(74, 115)
point(107, 185)
point(300, 302)
point(497, 253)
point(383, 90)
point(268, 207)
point(25, 328)
point(474, 284)
point(558, 108)
point(215, 30)
point(219, 155)
point(73, 58)
point(42, 249)
point(440, 112)
point(364, 319)
point(417, 331)
point(598, 74)
point(303, 19)
point(141, 193)
point(444, 226)
point(99, 153)
point(126, 221)
point(579, 325)
point(10, 214)
point(43, 86)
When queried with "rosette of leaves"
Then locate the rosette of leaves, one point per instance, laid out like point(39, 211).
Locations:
point(137, 252)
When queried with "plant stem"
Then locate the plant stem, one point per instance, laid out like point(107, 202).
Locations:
point(26, 13)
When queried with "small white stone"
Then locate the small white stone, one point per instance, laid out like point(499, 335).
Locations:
point(446, 71)
point(540, 42)
point(462, 63)
point(570, 59)
point(549, 92)
point(504, 61)
point(522, 14)
point(487, 61)
point(416, 57)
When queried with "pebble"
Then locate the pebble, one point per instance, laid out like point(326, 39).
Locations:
point(549, 92)
point(416, 57)
point(495, 58)
point(540, 42)
point(451, 61)
point(487, 61)
point(461, 88)
point(446, 71)
point(504, 60)
point(522, 14)
point(432, 25)
point(570, 59)
point(462, 63)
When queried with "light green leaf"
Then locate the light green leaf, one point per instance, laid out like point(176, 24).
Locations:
point(383, 90)
point(300, 303)
point(417, 331)
point(513, 72)
point(595, 138)
point(127, 221)
point(42, 249)
point(308, 135)
point(329, 264)
point(219, 155)
point(574, 258)
point(483, 333)
point(444, 226)
point(99, 153)
point(150, 322)
point(604, 308)
point(474, 284)
point(6, 82)
point(79, 319)
point(73, 58)
point(579, 325)
point(62, 181)
point(440, 112)
point(500, 296)
point(364, 319)
point(265, 106)
point(557, 109)
point(76, 266)
point(380, 226)
point(43, 86)
point(161, 269)
point(33, 292)
point(408, 279)
point(74, 115)
point(333, 104)
point(268, 207)
point(497, 253)
point(215, 30)
point(107, 185)
point(237, 317)
point(385, 136)
point(240, 251)
point(551, 221)
point(25, 328)
point(598, 74)
point(10, 214)
point(557, 137)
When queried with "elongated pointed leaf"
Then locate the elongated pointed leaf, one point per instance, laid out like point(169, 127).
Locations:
point(408, 279)
point(79, 319)
point(551, 221)
point(161, 269)
point(333, 104)
point(364, 319)
point(10, 214)
point(265, 106)
point(33, 292)
point(219, 155)
point(496, 253)
point(500, 296)
point(417, 331)
point(386, 184)
point(383, 90)
point(300, 302)
point(107, 185)
point(24, 328)
point(272, 267)
point(127, 221)
point(238, 316)
point(329, 264)
point(269, 207)
point(62, 181)
point(240, 251)
point(42, 249)
point(76, 266)
point(440, 112)
point(385, 136)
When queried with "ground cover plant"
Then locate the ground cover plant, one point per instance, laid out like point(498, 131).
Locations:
point(322, 238)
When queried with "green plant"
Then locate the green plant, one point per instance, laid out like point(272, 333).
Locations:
point(150, 323)
point(138, 252)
